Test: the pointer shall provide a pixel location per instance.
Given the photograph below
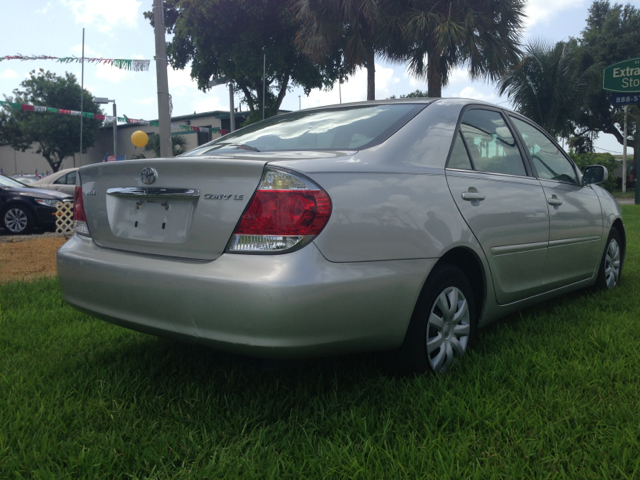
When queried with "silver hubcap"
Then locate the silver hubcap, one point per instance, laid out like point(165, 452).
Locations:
point(448, 329)
point(612, 264)
point(15, 220)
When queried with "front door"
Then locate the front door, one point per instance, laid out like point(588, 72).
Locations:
point(575, 236)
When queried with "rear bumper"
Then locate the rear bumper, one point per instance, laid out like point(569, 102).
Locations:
point(274, 306)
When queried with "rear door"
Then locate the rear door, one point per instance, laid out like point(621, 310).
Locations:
point(502, 203)
point(575, 213)
point(65, 184)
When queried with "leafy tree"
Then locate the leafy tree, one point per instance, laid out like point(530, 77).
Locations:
point(611, 36)
point(56, 136)
point(352, 27)
point(436, 36)
point(548, 85)
point(226, 39)
point(178, 144)
point(416, 94)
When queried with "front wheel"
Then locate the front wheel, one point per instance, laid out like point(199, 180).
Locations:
point(611, 264)
point(443, 324)
point(17, 220)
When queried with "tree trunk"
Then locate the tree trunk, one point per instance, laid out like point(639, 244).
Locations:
point(370, 63)
point(434, 76)
point(247, 98)
point(282, 93)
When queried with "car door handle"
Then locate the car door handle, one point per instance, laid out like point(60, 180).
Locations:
point(470, 196)
point(555, 201)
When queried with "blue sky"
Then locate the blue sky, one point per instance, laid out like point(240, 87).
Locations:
point(117, 29)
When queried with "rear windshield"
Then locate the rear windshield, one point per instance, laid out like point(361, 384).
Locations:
point(352, 128)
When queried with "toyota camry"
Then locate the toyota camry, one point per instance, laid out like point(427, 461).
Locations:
point(398, 226)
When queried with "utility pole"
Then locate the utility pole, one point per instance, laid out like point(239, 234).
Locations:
point(164, 116)
point(232, 113)
point(624, 152)
point(81, 100)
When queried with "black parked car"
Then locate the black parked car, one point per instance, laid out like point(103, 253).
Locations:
point(22, 207)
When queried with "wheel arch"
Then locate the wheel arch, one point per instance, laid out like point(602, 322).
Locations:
point(469, 262)
point(619, 226)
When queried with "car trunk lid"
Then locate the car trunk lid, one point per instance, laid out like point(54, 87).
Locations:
point(189, 210)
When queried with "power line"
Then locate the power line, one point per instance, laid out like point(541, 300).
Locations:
point(610, 151)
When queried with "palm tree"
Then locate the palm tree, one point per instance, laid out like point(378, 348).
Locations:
point(484, 35)
point(349, 25)
point(549, 86)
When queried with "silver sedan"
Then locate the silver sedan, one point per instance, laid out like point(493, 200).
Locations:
point(392, 225)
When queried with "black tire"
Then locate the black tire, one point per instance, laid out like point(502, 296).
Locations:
point(610, 270)
point(434, 342)
point(17, 220)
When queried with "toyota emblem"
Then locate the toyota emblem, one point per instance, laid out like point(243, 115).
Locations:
point(148, 175)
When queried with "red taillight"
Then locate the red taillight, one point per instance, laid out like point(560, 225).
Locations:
point(78, 207)
point(286, 211)
point(79, 218)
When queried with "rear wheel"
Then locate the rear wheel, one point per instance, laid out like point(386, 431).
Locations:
point(611, 264)
point(17, 220)
point(443, 324)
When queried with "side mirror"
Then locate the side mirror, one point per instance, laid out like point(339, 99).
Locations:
point(594, 174)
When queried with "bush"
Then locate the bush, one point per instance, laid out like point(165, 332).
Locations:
point(583, 160)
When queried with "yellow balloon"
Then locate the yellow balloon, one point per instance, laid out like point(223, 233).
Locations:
point(139, 138)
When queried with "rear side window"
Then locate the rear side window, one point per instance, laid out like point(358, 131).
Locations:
point(490, 143)
point(62, 180)
point(352, 128)
point(459, 157)
point(548, 160)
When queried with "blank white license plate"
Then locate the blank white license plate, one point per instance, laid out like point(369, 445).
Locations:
point(153, 220)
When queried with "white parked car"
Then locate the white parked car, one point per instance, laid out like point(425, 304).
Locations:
point(61, 181)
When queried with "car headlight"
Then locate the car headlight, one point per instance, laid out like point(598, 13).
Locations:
point(47, 201)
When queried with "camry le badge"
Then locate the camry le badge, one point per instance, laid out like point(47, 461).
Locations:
point(148, 175)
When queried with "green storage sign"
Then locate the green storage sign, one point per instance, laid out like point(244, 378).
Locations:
point(622, 77)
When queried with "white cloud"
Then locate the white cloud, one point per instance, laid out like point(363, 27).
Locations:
point(208, 102)
point(146, 101)
point(88, 52)
point(459, 74)
point(472, 92)
point(8, 73)
point(541, 10)
point(110, 73)
point(179, 80)
point(107, 15)
point(44, 10)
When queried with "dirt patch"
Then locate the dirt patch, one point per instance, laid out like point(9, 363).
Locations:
point(28, 258)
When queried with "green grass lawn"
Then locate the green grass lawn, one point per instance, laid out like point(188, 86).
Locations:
point(628, 194)
point(551, 392)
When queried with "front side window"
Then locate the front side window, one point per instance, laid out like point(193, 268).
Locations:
point(490, 143)
point(548, 160)
point(351, 128)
